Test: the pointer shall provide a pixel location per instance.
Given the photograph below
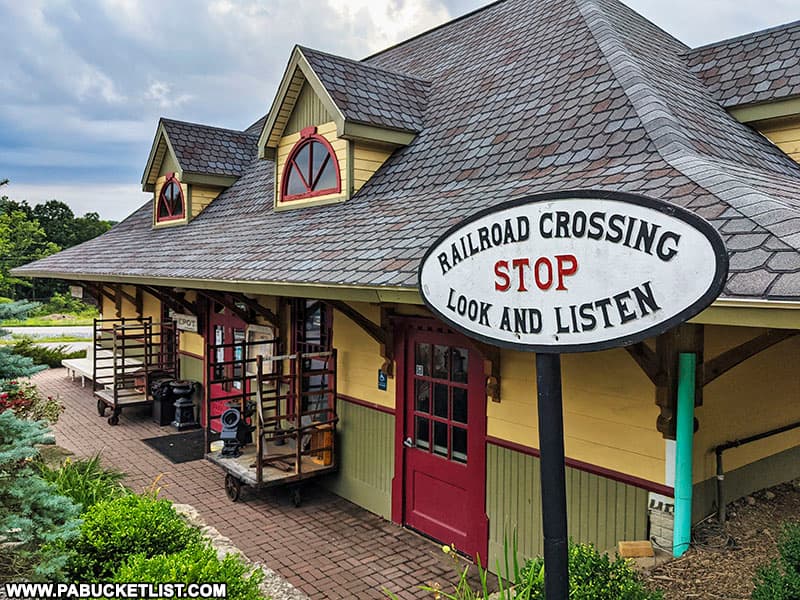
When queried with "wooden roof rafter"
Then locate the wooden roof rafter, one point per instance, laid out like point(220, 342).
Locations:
point(382, 333)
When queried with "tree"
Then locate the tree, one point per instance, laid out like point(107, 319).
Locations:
point(13, 366)
point(56, 219)
point(21, 241)
point(32, 513)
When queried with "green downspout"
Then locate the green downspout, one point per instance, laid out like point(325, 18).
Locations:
point(684, 434)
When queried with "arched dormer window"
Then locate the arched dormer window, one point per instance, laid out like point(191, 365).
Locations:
point(311, 168)
point(171, 204)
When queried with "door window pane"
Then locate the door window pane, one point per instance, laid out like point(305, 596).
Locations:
point(440, 438)
point(460, 405)
point(440, 400)
point(459, 444)
point(423, 433)
point(460, 364)
point(440, 363)
point(422, 393)
point(422, 360)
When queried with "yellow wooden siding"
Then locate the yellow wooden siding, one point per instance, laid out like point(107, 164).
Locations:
point(201, 197)
point(292, 93)
point(367, 159)
point(760, 394)
point(359, 358)
point(340, 147)
point(308, 110)
point(609, 411)
point(168, 164)
point(151, 306)
point(786, 136)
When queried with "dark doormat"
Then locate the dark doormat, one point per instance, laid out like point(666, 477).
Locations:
point(180, 447)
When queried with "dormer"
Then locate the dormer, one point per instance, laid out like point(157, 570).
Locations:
point(333, 123)
point(190, 165)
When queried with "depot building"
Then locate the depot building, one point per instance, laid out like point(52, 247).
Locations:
point(308, 228)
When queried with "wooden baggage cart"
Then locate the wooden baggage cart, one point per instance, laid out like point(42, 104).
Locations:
point(290, 404)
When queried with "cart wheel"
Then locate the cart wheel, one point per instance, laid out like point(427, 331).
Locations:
point(296, 497)
point(101, 408)
point(113, 419)
point(233, 487)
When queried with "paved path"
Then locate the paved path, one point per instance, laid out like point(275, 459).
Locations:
point(328, 548)
point(81, 331)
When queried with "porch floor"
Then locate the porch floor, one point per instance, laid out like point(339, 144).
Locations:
point(327, 548)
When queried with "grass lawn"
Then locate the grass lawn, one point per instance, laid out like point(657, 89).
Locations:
point(53, 339)
point(71, 320)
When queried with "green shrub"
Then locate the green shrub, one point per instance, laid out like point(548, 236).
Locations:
point(45, 355)
point(114, 530)
point(85, 481)
point(196, 564)
point(780, 580)
point(64, 303)
point(592, 576)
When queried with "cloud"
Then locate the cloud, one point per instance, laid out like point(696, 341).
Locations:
point(84, 83)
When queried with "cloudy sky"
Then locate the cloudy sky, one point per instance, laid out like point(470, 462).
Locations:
point(82, 84)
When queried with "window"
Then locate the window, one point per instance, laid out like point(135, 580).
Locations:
point(170, 200)
point(311, 168)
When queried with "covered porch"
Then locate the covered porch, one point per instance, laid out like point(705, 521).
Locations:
point(327, 548)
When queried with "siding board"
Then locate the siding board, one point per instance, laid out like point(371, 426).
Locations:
point(599, 510)
point(366, 458)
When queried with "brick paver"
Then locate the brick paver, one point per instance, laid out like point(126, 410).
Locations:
point(328, 547)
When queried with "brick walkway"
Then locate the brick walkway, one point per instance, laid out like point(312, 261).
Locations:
point(328, 548)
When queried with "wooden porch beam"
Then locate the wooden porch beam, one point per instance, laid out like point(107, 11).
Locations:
point(261, 311)
point(719, 365)
point(172, 299)
point(379, 333)
point(647, 361)
point(227, 302)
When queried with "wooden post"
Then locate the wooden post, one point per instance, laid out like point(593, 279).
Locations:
point(259, 424)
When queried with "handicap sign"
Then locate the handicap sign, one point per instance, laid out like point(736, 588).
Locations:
point(381, 380)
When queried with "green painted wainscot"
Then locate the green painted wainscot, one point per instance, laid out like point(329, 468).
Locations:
point(365, 439)
point(599, 510)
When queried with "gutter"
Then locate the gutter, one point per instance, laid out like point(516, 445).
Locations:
point(322, 291)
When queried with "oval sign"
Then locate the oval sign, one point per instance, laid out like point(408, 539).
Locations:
point(573, 271)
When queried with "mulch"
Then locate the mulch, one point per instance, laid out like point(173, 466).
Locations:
point(722, 562)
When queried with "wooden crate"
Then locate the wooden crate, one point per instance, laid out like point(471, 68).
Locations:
point(322, 438)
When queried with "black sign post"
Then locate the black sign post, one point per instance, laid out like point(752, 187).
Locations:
point(554, 493)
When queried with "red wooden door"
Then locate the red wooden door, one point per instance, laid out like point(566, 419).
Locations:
point(445, 441)
point(224, 328)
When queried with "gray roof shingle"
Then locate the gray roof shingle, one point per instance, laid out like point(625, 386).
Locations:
point(370, 95)
point(758, 67)
point(558, 94)
point(211, 150)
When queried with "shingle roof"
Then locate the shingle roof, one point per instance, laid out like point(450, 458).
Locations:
point(211, 150)
point(559, 94)
point(758, 67)
point(366, 94)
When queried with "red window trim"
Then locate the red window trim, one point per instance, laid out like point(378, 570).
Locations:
point(307, 136)
point(171, 178)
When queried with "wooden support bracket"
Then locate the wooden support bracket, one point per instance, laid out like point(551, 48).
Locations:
point(172, 299)
point(261, 311)
point(491, 369)
point(729, 359)
point(380, 333)
point(687, 337)
point(648, 361)
point(229, 303)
